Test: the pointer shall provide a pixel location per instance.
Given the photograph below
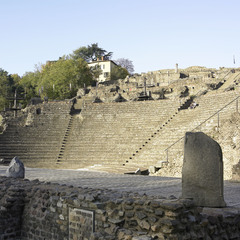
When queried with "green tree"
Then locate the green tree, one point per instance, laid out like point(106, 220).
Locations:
point(7, 88)
point(29, 83)
point(57, 79)
point(61, 79)
point(118, 72)
point(16, 79)
point(91, 53)
point(96, 71)
point(3, 88)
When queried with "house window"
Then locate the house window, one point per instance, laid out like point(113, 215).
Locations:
point(103, 66)
point(106, 74)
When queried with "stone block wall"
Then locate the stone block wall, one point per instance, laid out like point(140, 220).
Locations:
point(155, 78)
point(11, 209)
point(37, 210)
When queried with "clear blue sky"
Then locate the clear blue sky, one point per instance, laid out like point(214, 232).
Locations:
point(154, 34)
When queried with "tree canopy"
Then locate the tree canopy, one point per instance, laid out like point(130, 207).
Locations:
point(125, 63)
point(91, 53)
point(58, 79)
point(7, 87)
point(61, 79)
point(118, 72)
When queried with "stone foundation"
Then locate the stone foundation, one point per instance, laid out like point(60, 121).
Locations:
point(37, 210)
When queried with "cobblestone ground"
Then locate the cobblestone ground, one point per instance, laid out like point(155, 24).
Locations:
point(153, 186)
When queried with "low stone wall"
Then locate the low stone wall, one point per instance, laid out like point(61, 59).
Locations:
point(37, 210)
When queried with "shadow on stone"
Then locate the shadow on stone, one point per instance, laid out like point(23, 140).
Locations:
point(202, 173)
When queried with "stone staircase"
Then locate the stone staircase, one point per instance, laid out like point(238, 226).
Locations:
point(38, 143)
point(167, 146)
point(231, 80)
point(104, 134)
point(158, 131)
point(65, 139)
point(116, 137)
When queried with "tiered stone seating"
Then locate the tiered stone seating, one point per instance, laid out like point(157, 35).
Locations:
point(37, 144)
point(186, 120)
point(120, 137)
point(107, 133)
point(230, 80)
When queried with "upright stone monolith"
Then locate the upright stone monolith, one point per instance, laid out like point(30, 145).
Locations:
point(202, 173)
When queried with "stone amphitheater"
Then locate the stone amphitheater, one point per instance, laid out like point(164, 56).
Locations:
point(137, 123)
point(134, 125)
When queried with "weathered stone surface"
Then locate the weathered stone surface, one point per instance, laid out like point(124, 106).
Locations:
point(152, 169)
point(119, 98)
point(43, 217)
point(142, 238)
point(141, 215)
point(184, 92)
point(202, 173)
point(144, 224)
point(16, 169)
point(236, 172)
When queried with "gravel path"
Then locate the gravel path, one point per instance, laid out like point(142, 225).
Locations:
point(153, 186)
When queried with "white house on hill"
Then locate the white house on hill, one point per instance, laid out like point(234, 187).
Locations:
point(106, 67)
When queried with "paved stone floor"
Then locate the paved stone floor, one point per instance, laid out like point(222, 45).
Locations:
point(153, 186)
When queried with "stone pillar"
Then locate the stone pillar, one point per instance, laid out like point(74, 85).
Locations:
point(202, 173)
point(176, 69)
point(145, 86)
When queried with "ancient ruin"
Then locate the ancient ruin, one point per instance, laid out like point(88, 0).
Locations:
point(38, 210)
point(137, 123)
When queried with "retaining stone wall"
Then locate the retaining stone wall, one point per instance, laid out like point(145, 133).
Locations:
point(38, 210)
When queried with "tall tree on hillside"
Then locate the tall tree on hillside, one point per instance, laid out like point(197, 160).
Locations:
point(125, 63)
point(57, 79)
point(61, 79)
point(118, 72)
point(91, 53)
point(96, 71)
point(7, 87)
point(29, 83)
point(3, 88)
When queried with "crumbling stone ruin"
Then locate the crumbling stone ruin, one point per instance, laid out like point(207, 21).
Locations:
point(172, 82)
point(40, 210)
point(121, 126)
point(127, 124)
